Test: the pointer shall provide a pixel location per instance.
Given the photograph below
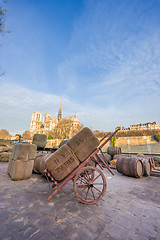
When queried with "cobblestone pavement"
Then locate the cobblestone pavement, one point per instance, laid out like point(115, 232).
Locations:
point(129, 210)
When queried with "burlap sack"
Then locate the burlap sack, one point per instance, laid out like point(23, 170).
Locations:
point(20, 170)
point(40, 140)
point(63, 142)
point(83, 144)
point(61, 163)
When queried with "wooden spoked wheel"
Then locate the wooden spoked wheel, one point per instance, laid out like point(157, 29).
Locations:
point(90, 185)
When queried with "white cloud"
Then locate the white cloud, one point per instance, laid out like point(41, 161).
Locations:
point(17, 104)
point(113, 57)
point(110, 75)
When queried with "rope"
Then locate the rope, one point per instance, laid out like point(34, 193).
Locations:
point(72, 152)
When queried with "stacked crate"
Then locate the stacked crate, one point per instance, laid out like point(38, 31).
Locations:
point(21, 162)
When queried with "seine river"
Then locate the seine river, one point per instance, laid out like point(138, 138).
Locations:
point(147, 148)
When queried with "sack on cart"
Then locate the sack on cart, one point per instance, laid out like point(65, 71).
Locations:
point(83, 144)
point(61, 163)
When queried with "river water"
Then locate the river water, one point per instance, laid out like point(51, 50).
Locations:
point(153, 148)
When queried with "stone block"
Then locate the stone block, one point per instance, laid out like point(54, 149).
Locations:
point(23, 152)
point(4, 142)
point(5, 149)
point(40, 140)
point(5, 156)
point(20, 170)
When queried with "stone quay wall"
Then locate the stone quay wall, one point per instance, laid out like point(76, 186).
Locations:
point(121, 141)
point(141, 140)
point(53, 143)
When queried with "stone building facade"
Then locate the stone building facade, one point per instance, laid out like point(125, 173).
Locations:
point(144, 126)
point(59, 127)
point(67, 127)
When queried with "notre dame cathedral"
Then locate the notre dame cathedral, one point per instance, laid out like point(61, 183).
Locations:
point(57, 128)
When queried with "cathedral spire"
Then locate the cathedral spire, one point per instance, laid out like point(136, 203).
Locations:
point(59, 112)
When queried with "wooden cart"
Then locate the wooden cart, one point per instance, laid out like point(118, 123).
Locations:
point(89, 182)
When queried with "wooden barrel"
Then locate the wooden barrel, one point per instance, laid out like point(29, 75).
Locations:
point(36, 161)
point(130, 166)
point(106, 157)
point(122, 156)
point(40, 162)
point(146, 165)
point(112, 150)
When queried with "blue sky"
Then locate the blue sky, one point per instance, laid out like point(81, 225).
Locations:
point(100, 57)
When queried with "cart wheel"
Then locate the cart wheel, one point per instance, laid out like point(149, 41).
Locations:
point(90, 185)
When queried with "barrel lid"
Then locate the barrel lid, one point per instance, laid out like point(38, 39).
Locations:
point(139, 169)
point(147, 168)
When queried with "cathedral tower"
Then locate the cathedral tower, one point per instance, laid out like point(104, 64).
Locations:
point(59, 112)
point(36, 121)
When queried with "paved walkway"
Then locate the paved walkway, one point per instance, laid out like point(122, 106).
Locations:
point(129, 210)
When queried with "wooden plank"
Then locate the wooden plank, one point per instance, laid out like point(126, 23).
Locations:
point(155, 173)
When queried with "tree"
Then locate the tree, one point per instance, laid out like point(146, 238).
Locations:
point(2, 18)
point(4, 134)
point(113, 141)
point(50, 137)
point(27, 135)
point(157, 137)
point(3, 12)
